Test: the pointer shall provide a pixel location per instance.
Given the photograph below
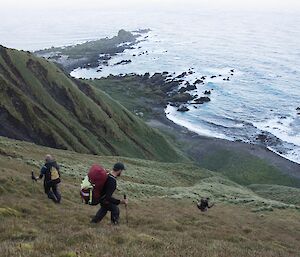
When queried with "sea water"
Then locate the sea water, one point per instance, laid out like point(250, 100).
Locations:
point(263, 48)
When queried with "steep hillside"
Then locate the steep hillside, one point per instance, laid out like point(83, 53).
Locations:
point(162, 217)
point(41, 104)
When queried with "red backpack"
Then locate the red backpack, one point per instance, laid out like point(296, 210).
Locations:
point(92, 185)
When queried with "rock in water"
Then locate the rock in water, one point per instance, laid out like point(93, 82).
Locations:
point(183, 109)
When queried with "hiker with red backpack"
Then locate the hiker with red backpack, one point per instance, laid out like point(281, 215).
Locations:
point(98, 187)
point(50, 172)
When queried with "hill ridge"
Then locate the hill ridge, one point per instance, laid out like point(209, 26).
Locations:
point(56, 110)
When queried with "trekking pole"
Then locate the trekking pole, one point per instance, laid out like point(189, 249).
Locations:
point(126, 210)
point(33, 178)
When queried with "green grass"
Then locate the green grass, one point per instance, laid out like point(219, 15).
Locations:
point(246, 169)
point(136, 94)
point(163, 219)
point(69, 114)
point(279, 193)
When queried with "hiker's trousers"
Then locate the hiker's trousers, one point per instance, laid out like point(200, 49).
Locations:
point(51, 189)
point(105, 207)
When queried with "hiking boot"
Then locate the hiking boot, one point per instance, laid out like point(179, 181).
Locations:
point(115, 222)
point(93, 221)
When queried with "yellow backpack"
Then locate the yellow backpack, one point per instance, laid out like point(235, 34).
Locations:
point(55, 177)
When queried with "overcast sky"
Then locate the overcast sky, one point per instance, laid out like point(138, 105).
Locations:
point(259, 4)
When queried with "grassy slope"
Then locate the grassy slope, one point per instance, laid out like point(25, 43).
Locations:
point(279, 193)
point(163, 220)
point(45, 106)
point(137, 96)
point(245, 169)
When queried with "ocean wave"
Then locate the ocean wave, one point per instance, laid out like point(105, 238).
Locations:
point(282, 128)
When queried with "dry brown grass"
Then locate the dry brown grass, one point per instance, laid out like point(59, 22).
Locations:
point(31, 225)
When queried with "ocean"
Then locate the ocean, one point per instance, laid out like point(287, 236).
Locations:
point(257, 105)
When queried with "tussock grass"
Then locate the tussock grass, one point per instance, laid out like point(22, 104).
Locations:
point(246, 169)
point(279, 193)
point(163, 219)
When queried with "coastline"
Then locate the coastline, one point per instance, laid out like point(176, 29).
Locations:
point(147, 97)
point(197, 146)
point(165, 89)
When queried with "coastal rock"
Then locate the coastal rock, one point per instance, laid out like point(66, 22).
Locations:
point(175, 104)
point(189, 87)
point(198, 81)
point(203, 77)
point(262, 137)
point(123, 62)
point(182, 75)
point(182, 90)
point(170, 86)
point(201, 100)
point(183, 109)
point(125, 36)
point(157, 78)
point(105, 57)
point(146, 76)
point(142, 31)
point(298, 109)
point(182, 98)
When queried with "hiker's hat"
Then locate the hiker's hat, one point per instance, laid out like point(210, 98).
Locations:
point(119, 166)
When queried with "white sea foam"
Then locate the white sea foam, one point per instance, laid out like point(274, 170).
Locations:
point(281, 128)
point(180, 119)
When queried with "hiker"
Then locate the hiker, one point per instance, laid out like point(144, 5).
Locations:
point(50, 172)
point(203, 204)
point(107, 202)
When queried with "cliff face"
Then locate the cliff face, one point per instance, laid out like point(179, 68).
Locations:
point(41, 104)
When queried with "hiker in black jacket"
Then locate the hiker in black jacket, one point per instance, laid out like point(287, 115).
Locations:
point(50, 172)
point(203, 204)
point(107, 201)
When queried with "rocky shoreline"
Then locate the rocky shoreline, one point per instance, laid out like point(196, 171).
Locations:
point(177, 90)
point(93, 54)
point(161, 89)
